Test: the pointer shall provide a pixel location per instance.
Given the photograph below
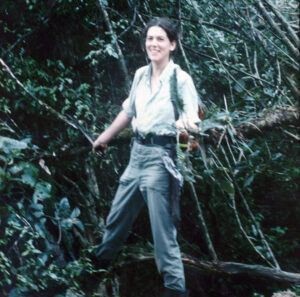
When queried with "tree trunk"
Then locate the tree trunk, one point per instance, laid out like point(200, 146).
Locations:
point(225, 268)
point(268, 120)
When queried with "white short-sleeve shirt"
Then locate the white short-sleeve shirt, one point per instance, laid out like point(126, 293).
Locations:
point(153, 112)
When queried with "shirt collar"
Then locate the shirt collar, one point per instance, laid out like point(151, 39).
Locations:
point(167, 72)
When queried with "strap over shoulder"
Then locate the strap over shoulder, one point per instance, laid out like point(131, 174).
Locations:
point(176, 99)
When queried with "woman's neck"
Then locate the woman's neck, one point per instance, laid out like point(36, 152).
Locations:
point(158, 68)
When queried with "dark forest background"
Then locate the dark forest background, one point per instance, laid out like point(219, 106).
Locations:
point(66, 66)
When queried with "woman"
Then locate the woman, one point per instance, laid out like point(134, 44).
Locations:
point(150, 172)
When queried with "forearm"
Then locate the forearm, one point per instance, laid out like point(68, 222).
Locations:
point(120, 122)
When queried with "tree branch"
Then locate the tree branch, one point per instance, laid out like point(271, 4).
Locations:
point(121, 59)
point(208, 240)
point(275, 27)
point(269, 119)
point(293, 36)
point(179, 16)
point(234, 268)
point(225, 268)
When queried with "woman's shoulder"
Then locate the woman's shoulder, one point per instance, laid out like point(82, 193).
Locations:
point(182, 75)
point(140, 71)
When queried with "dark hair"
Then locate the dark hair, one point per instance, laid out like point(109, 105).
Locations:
point(166, 24)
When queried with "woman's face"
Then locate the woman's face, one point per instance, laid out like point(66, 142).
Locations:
point(158, 45)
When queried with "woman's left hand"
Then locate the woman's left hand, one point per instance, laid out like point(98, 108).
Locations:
point(189, 125)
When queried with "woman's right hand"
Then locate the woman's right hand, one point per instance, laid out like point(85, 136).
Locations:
point(100, 144)
point(120, 122)
point(102, 147)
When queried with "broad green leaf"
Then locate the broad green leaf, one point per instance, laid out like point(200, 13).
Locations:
point(75, 213)
point(42, 191)
point(248, 181)
point(227, 186)
point(79, 224)
point(29, 175)
point(7, 144)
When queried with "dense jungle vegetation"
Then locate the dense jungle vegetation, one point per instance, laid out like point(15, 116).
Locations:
point(65, 68)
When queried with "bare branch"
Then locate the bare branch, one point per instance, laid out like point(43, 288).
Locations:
point(179, 14)
point(234, 206)
point(255, 67)
point(208, 240)
point(121, 59)
point(275, 27)
point(131, 23)
point(292, 34)
point(230, 76)
point(257, 227)
point(249, 63)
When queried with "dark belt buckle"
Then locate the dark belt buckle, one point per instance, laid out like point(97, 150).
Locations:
point(140, 139)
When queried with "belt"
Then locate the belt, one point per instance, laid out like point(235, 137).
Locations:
point(154, 139)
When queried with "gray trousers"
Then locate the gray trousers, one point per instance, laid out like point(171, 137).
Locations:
point(145, 181)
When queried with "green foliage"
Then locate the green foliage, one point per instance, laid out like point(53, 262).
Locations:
point(54, 195)
point(31, 257)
